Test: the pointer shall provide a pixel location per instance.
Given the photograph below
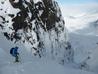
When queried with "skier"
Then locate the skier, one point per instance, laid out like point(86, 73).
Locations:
point(14, 53)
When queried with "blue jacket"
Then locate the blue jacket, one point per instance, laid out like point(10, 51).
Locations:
point(14, 51)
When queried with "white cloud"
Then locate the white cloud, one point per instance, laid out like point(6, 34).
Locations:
point(78, 16)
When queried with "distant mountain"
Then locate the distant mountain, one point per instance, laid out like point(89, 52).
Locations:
point(83, 23)
point(90, 29)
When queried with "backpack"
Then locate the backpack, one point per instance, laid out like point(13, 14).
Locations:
point(13, 51)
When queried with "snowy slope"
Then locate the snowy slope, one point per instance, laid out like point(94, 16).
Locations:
point(35, 66)
point(83, 35)
point(30, 64)
point(84, 45)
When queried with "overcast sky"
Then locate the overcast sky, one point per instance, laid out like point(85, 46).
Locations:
point(77, 1)
point(78, 7)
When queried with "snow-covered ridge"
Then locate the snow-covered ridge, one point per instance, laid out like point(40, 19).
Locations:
point(38, 25)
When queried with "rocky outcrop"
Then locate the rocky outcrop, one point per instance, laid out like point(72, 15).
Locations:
point(39, 25)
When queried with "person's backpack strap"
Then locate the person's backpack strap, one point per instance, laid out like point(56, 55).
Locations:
point(11, 51)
